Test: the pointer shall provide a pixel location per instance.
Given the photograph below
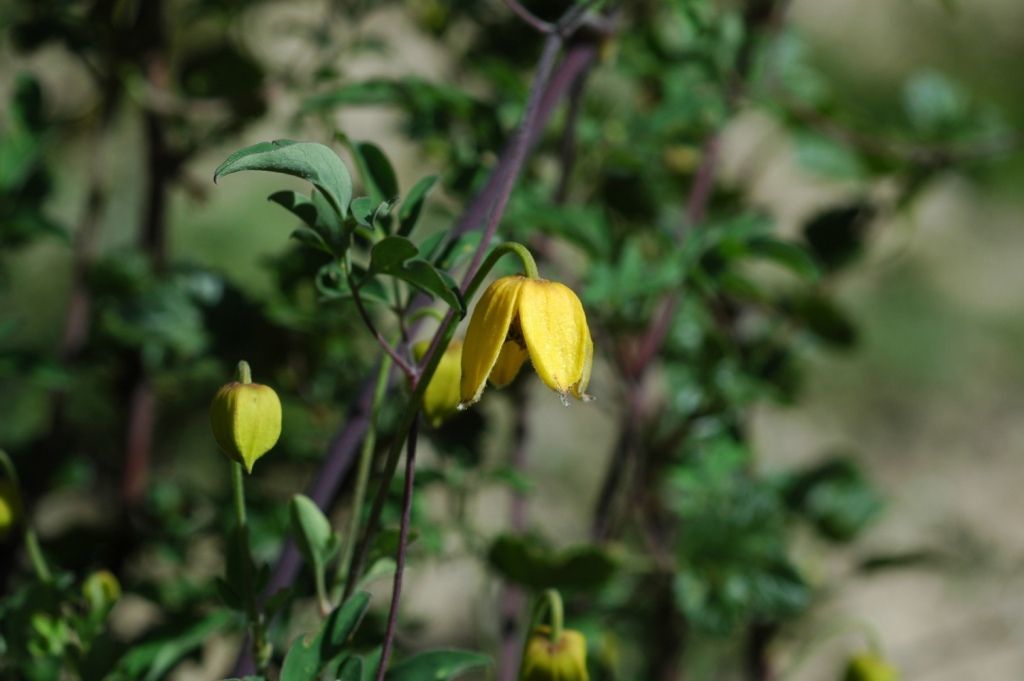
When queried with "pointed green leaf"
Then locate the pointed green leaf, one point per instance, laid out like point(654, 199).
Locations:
point(310, 161)
point(437, 665)
point(396, 256)
point(412, 205)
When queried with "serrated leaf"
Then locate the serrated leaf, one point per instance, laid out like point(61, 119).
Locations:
point(313, 162)
point(437, 665)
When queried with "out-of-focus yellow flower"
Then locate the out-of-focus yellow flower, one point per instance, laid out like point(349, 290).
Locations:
point(870, 666)
point(10, 508)
point(561, 660)
point(246, 421)
point(518, 317)
point(441, 398)
point(101, 589)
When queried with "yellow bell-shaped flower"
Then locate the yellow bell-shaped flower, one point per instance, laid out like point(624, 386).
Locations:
point(516, 318)
point(561, 660)
point(870, 666)
point(246, 420)
point(441, 398)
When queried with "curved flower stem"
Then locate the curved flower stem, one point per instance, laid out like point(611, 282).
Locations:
point(363, 474)
point(548, 604)
point(403, 544)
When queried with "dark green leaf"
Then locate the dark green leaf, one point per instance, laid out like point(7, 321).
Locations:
point(525, 561)
point(790, 255)
point(396, 256)
point(437, 665)
point(310, 654)
point(412, 205)
point(310, 161)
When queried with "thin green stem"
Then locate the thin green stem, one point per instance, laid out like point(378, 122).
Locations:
point(244, 372)
point(548, 605)
point(257, 627)
point(238, 493)
point(35, 554)
point(363, 474)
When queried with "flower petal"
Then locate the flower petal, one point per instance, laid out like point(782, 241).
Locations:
point(555, 330)
point(579, 390)
point(488, 329)
point(510, 360)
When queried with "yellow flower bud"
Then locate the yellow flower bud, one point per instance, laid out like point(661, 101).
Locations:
point(101, 589)
point(441, 398)
point(517, 318)
point(10, 508)
point(547, 660)
point(870, 667)
point(246, 421)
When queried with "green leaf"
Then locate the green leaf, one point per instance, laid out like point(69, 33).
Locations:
point(310, 161)
point(526, 561)
point(397, 256)
point(310, 654)
point(412, 205)
point(836, 497)
point(377, 172)
point(792, 256)
point(312, 531)
point(150, 660)
point(437, 665)
point(351, 669)
point(340, 624)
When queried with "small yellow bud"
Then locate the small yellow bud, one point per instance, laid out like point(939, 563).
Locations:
point(870, 667)
point(441, 399)
point(101, 589)
point(246, 421)
point(547, 660)
point(10, 508)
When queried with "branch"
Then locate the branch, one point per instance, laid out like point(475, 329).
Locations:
point(407, 369)
point(529, 17)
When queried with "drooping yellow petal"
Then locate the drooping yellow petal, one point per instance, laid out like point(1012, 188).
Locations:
point(562, 660)
point(554, 327)
point(442, 396)
point(579, 390)
point(510, 360)
point(488, 328)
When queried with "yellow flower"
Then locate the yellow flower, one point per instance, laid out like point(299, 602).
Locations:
point(870, 667)
point(246, 421)
point(517, 318)
point(101, 589)
point(441, 398)
point(10, 508)
point(562, 660)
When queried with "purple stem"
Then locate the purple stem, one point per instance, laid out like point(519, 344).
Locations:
point(403, 545)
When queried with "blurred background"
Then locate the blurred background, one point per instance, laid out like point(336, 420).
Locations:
point(927, 398)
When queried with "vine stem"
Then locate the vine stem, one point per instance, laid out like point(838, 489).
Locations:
point(363, 475)
point(403, 546)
